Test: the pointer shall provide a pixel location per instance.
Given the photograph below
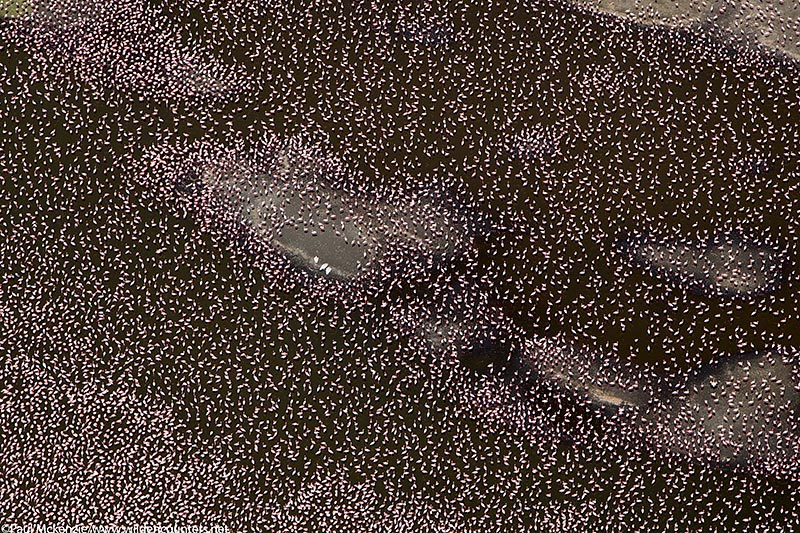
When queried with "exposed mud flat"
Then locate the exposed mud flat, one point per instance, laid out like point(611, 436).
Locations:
point(601, 382)
point(318, 229)
point(296, 206)
point(742, 411)
point(726, 266)
point(14, 8)
point(774, 24)
point(546, 388)
point(677, 14)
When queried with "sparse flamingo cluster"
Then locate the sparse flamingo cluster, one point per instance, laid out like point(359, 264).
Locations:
point(445, 268)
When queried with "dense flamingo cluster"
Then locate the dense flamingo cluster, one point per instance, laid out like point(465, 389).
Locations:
point(125, 45)
point(394, 269)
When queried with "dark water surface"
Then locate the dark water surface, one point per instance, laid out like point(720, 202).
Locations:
point(655, 128)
